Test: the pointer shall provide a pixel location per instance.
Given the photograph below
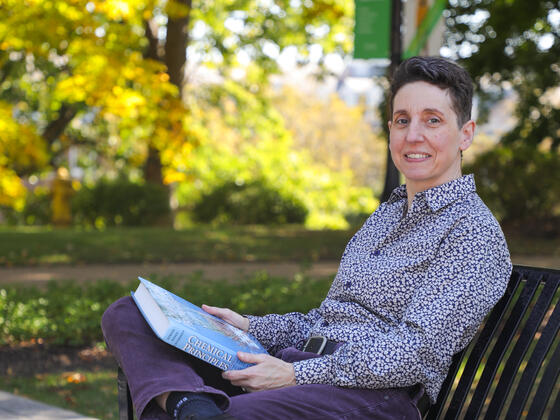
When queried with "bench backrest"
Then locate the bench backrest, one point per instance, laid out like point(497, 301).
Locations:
point(510, 370)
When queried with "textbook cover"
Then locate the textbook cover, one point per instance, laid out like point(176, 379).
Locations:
point(189, 328)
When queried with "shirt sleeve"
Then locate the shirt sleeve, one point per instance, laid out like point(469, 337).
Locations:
point(467, 277)
point(281, 331)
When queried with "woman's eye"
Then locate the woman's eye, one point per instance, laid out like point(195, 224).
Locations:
point(434, 120)
point(401, 121)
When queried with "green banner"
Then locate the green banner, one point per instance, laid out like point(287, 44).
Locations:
point(373, 29)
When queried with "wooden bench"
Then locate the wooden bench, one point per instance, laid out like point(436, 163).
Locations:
point(511, 368)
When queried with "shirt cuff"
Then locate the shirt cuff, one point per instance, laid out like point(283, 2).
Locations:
point(258, 328)
point(253, 324)
point(315, 371)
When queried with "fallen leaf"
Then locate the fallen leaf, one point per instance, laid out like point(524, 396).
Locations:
point(64, 360)
point(74, 377)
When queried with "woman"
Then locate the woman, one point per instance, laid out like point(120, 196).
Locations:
point(414, 284)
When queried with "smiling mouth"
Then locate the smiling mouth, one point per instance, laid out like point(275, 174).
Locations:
point(417, 155)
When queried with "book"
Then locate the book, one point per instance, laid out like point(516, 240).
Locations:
point(188, 327)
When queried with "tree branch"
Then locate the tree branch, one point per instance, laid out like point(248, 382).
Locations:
point(55, 128)
point(152, 51)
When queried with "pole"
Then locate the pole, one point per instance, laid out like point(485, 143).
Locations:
point(392, 174)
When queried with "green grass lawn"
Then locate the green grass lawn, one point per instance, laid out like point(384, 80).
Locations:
point(92, 393)
point(32, 246)
point(39, 245)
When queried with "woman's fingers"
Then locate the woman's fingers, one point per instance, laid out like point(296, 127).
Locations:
point(229, 316)
point(252, 357)
point(268, 372)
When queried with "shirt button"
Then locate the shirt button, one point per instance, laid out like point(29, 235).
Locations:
point(325, 324)
point(376, 253)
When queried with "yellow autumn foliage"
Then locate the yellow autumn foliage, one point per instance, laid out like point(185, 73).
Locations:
point(83, 64)
point(335, 134)
point(12, 191)
point(20, 149)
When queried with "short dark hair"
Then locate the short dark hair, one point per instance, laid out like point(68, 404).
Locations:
point(442, 73)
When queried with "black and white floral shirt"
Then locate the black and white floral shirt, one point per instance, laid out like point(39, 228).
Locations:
point(411, 290)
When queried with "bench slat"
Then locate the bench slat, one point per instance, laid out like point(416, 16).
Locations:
point(481, 342)
point(498, 351)
point(550, 375)
point(522, 345)
point(126, 411)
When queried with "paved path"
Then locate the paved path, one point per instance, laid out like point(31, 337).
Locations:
point(126, 272)
point(18, 408)
point(536, 261)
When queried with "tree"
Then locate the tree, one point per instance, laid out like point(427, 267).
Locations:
point(264, 153)
point(513, 44)
point(74, 72)
point(108, 76)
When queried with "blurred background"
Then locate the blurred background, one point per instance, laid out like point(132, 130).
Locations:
point(178, 112)
point(228, 149)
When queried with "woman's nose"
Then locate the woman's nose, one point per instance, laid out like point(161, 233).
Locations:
point(414, 132)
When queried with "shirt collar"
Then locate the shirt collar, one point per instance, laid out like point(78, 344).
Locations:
point(441, 195)
point(398, 194)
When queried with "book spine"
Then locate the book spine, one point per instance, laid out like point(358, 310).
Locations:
point(201, 348)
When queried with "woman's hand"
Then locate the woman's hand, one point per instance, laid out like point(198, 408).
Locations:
point(231, 317)
point(268, 373)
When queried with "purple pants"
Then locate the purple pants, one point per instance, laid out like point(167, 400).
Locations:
point(154, 367)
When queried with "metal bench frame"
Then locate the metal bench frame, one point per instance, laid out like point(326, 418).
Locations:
point(511, 368)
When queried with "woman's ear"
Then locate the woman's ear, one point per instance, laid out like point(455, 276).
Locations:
point(467, 135)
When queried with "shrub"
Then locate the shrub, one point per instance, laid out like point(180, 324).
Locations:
point(326, 195)
point(519, 183)
point(67, 313)
point(251, 203)
point(36, 211)
point(121, 202)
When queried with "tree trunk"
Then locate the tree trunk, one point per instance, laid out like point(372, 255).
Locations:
point(176, 45)
point(61, 187)
point(175, 58)
point(152, 167)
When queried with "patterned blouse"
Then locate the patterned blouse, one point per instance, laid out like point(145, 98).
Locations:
point(411, 290)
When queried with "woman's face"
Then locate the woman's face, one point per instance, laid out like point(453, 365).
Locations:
point(425, 139)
